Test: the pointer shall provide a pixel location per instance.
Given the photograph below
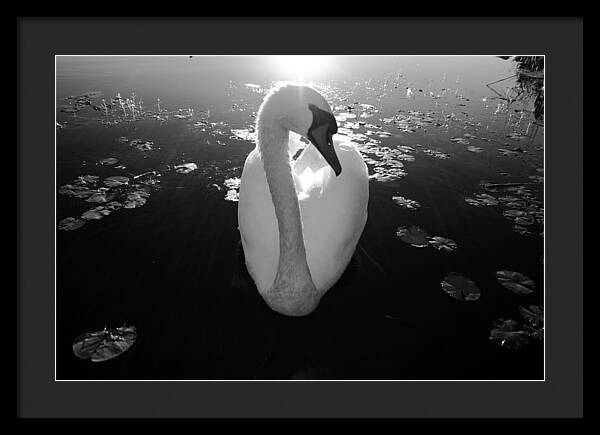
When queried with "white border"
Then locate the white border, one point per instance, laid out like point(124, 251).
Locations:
point(290, 380)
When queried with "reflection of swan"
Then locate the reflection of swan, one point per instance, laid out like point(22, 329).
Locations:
point(300, 222)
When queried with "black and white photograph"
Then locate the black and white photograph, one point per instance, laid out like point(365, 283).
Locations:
point(299, 217)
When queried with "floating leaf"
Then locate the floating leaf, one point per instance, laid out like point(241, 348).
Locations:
point(99, 196)
point(104, 345)
point(142, 145)
point(460, 287)
point(508, 153)
point(474, 149)
point(414, 236)
point(516, 136)
point(185, 168)
point(436, 154)
point(534, 314)
point(481, 199)
point(70, 223)
point(443, 244)
point(406, 203)
point(515, 282)
point(113, 205)
point(87, 179)
point(77, 191)
point(513, 214)
point(95, 213)
point(460, 140)
point(524, 220)
point(486, 199)
point(245, 134)
point(135, 199)
point(232, 195)
point(116, 181)
point(232, 183)
point(510, 334)
point(108, 161)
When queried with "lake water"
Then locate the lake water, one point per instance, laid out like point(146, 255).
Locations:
point(165, 257)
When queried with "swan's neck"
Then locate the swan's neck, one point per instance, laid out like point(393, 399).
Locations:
point(293, 280)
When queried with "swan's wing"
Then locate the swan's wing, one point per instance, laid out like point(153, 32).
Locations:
point(334, 220)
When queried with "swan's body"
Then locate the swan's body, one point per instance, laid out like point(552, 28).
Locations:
point(299, 221)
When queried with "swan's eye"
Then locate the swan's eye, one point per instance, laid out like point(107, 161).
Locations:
point(321, 118)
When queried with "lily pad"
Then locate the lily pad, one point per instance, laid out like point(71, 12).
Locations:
point(232, 183)
point(87, 179)
point(245, 134)
point(521, 230)
point(474, 149)
point(99, 196)
point(70, 223)
point(104, 345)
point(406, 203)
point(482, 199)
point(443, 244)
point(437, 154)
point(486, 199)
point(135, 199)
point(534, 314)
point(516, 136)
point(510, 334)
point(460, 140)
point(186, 168)
point(142, 145)
point(524, 220)
point(232, 195)
point(508, 153)
point(95, 213)
point(414, 236)
point(116, 180)
point(460, 287)
point(109, 161)
point(515, 282)
point(513, 213)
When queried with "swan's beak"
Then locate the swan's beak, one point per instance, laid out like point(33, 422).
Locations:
point(321, 134)
point(323, 141)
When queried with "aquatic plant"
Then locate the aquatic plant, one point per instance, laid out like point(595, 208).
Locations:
point(515, 282)
point(443, 244)
point(104, 345)
point(510, 334)
point(185, 168)
point(460, 287)
point(406, 203)
point(414, 236)
point(70, 223)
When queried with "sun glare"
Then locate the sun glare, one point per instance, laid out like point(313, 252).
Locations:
point(300, 68)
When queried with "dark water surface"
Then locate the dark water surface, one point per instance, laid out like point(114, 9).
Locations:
point(173, 266)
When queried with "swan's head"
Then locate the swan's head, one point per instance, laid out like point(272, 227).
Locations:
point(304, 111)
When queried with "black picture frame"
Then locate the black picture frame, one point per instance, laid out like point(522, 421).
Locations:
point(560, 395)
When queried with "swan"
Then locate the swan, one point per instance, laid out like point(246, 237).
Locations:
point(300, 220)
